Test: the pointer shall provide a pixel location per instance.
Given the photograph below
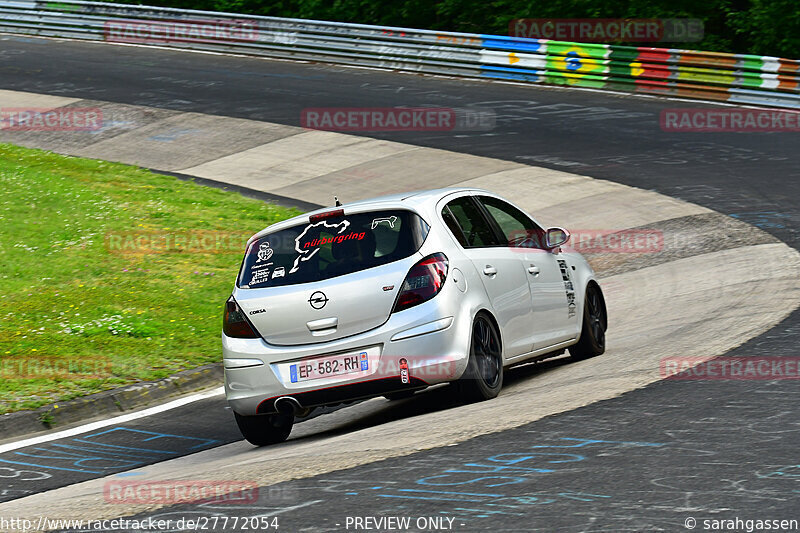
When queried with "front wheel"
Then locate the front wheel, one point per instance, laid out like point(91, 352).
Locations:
point(483, 378)
point(261, 430)
point(592, 341)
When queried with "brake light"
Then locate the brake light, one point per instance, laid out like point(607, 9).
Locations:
point(423, 282)
point(327, 214)
point(235, 323)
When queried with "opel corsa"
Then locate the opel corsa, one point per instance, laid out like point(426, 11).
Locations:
point(388, 296)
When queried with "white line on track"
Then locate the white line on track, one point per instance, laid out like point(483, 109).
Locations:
point(111, 421)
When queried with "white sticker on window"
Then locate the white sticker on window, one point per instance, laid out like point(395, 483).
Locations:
point(389, 220)
point(303, 246)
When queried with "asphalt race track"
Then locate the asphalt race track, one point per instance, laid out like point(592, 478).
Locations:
point(648, 460)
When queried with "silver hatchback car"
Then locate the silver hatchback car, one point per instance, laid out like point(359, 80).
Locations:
point(388, 296)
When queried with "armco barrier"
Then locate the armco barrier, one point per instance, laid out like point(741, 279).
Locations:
point(735, 78)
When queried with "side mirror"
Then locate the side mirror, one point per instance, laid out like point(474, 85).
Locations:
point(555, 237)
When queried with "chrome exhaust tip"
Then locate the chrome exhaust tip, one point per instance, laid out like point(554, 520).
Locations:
point(287, 405)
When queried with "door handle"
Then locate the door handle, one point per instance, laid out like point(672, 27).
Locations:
point(533, 269)
point(489, 270)
point(323, 324)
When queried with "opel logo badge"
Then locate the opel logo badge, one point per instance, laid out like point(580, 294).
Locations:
point(318, 300)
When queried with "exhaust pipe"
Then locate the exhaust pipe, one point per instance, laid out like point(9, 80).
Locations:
point(287, 405)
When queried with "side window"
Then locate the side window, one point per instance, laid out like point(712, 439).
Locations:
point(472, 230)
point(517, 227)
point(452, 225)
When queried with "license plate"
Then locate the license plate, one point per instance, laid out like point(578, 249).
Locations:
point(333, 365)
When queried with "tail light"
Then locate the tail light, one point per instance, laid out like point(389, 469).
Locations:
point(235, 323)
point(423, 282)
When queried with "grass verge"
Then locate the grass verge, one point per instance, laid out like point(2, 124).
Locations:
point(110, 274)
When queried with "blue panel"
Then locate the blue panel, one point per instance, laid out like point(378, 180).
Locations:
point(511, 43)
point(511, 76)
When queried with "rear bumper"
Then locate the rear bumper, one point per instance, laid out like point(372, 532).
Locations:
point(434, 348)
point(344, 393)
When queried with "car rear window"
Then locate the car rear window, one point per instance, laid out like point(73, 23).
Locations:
point(331, 247)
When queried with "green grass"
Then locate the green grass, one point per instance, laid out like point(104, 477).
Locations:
point(82, 308)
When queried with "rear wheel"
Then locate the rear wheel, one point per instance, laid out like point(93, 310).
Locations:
point(592, 341)
point(483, 378)
point(261, 430)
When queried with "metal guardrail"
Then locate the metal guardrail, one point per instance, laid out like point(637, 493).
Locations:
point(735, 78)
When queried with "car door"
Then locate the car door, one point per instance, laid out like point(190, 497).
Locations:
point(500, 270)
point(548, 274)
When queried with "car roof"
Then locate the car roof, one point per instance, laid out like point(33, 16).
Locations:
point(413, 199)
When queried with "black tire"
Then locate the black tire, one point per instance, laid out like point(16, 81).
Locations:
point(483, 378)
point(261, 430)
point(400, 395)
point(592, 341)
